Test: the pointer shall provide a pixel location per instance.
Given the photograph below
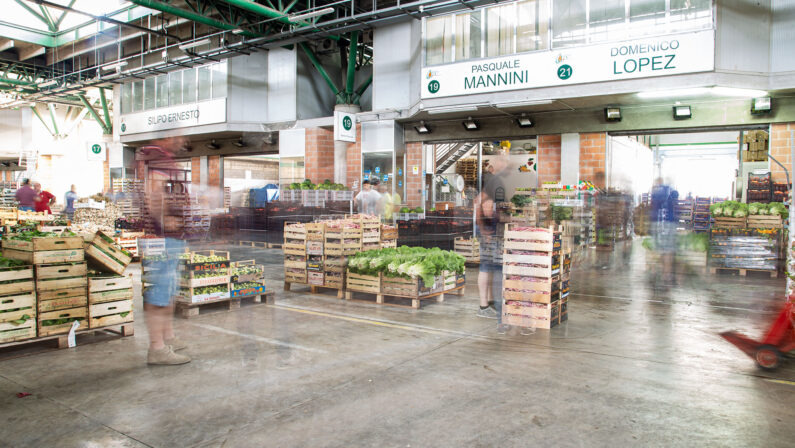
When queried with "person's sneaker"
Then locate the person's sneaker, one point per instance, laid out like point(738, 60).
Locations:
point(488, 313)
point(527, 331)
point(166, 357)
point(503, 328)
point(176, 343)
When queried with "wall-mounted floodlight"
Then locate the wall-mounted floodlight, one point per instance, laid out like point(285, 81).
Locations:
point(524, 121)
point(682, 112)
point(470, 124)
point(422, 128)
point(612, 114)
point(761, 105)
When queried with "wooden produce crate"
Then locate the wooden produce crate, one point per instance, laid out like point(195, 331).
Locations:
point(109, 289)
point(315, 231)
point(294, 231)
point(191, 295)
point(44, 244)
point(292, 262)
point(246, 271)
point(334, 263)
point(388, 233)
point(238, 290)
point(530, 314)
point(53, 277)
point(128, 244)
point(59, 299)
point(80, 313)
point(535, 239)
point(192, 281)
point(315, 278)
point(45, 250)
point(363, 283)
point(334, 280)
point(294, 275)
point(103, 253)
point(722, 222)
point(16, 280)
point(24, 306)
point(545, 266)
point(110, 313)
point(764, 222)
point(314, 247)
point(529, 289)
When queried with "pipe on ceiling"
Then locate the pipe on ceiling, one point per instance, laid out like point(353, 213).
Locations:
point(198, 18)
point(262, 10)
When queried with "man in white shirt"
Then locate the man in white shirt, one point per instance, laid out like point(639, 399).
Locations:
point(367, 199)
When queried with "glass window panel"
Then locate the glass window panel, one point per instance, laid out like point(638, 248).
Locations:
point(189, 86)
point(149, 93)
point(532, 31)
point(607, 20)
point(500, 21)
point(126, 98)
point(204, 83)
point(690, 14)
point(138, 96)
point(219, 80)
point(467, 36)
point(175, 88)
point(646, 17)
point(568, 23)
point(438, 40)
point(162, 91)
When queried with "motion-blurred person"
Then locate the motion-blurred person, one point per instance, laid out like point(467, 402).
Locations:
point(367, 199)
point(490, 234)
point(387, 203)
point(159, 295)
point(44, 199)
point(26, 196)
point(663, 224)
point(69, 203)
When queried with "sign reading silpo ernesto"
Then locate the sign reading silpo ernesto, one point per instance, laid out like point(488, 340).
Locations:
point(638, 58)
point(344, 127)
point(96, 151)
point(186, 115)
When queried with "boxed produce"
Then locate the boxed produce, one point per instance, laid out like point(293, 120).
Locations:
point(249, 288)
point(103, 253)
point(103, 289)
point(246, 271)
point(17, 301)
point(36, 247)
point(110, 313)
point(57, 322)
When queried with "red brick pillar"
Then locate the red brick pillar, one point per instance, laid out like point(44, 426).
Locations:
point(593, 151)
point(779, 148)
point(214, 171)
point(140, 170)
point(414, 182)
point(548, 158)
point(106, 170)
point(354, 158)
point(196, 170)
point(319, 156)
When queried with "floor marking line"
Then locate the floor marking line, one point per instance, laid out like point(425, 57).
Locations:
point(675, 302)
point(256, 338)
point(789, 383)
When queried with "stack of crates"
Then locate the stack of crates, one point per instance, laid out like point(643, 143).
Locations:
point(110, 300)
point(701, 216)
point(295, 257)
point(371, 233)
point(17, 303)
point(389, 236)
point(315, 236)
point(535, 277)
point(61, 280)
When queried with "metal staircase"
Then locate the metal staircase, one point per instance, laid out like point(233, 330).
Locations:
point(449, 153)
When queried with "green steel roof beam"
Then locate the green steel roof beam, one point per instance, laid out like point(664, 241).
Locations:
point(50, 22)
point(16, 82)
point(32, 11)
point(352, 49)
point(311, 55)
point(51, 106)
point(105, 111)
point(261, 10)
point(36, 113)
point(63, 14)
point(362, 88)
point(105, 129)
point(198, 18)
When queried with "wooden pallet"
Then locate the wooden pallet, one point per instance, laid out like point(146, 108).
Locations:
point(260, 244)
point(415, 301)
point(188, 310)
point(744, 272)
point(61, 340)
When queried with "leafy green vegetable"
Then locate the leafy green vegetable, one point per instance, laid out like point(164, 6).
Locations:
point(407, 262)
point(521, 200)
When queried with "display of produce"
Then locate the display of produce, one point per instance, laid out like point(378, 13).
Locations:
point(701, 215)
point(746, 249)
point(759, 187)
point(17, 301)
point(407, 262)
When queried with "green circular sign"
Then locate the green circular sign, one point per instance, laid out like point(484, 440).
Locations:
point(96, 149)
point(434, 86)
point(347, 123)
point(565, 71)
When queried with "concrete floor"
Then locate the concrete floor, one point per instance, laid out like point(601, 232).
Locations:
point(636, 365)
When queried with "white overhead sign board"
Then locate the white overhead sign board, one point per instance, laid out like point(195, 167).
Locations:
point(344, 127)
point(615, 61)
point(183, 116)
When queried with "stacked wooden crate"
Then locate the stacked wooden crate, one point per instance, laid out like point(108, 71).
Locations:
point(246, 279)
point(110, 300)
point(60, 273)
point(535, 271)
point(295, 257)
point(128, 241)
point(371, 233)
point(468, 248)
point(17, 304)
point(197, 275)
point(389, 236)
point(104, 255)
point(315, 236)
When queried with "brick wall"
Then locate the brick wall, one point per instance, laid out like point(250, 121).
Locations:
point(414, 182)
point(779, 148)
point(106, 172)
point(195, 170)
point(214, 171)
point(319, 158)
point(548, 158)
point(593, 149)
point(354, 157)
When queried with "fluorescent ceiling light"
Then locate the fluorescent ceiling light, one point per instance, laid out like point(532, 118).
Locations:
point(238, 31)
point(444, 110)
point(732, 91)
point(309, 15)
point(675, 93)
point(49, 83)
point(194, 44)
point(114, 66)
point(522, 103)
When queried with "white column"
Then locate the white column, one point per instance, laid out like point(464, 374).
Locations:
point(570, 159)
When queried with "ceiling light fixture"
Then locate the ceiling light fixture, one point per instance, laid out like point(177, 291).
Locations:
point(49, 83)
point(525, 122)
point(450, 109)
point(194, 44)
point(612, 114)
point(240, 143)
point(422, 128)
point(309, 15)
point(522, 103)
point(470, 124)
point(238, 31)
point(213, 145)
point(114, 66)
point(761, 105)
point(682, 112)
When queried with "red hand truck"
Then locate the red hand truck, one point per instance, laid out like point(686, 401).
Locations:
point(780, 339)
